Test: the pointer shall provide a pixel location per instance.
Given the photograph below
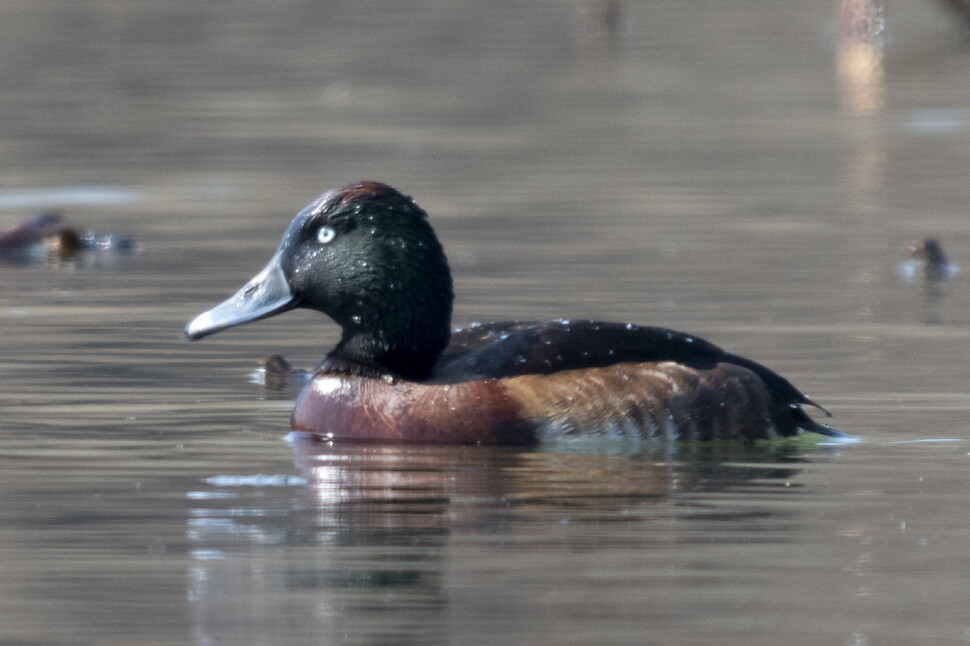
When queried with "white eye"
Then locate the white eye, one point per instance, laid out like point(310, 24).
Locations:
point(326, 234)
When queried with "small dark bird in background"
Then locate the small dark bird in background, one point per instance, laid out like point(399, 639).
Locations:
point(929, 253)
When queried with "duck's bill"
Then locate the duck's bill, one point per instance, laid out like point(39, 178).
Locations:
point(266, 294)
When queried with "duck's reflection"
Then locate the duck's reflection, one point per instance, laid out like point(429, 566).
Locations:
point(379, 539)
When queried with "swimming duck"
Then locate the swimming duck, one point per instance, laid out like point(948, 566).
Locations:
point(366, 256)
point(34, 231)
point(48, 234)
point(936, 266)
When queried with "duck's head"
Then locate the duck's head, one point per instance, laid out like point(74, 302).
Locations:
point(366, 256)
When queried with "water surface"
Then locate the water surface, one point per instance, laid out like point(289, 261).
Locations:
point(712, 169)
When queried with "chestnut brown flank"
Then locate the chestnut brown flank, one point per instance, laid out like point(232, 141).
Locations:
point(647, 400)
point(631, 400)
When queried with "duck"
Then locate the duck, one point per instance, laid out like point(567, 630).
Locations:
point(34, 231)
point(48, 235)
point(366, 256)
point(936, 266)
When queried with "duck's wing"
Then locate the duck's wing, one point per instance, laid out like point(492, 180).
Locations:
point(505, 349)
point(509, 349)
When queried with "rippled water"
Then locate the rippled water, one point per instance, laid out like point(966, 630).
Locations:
point(750, 173)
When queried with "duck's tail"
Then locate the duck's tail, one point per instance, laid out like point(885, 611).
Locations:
point(806, 423)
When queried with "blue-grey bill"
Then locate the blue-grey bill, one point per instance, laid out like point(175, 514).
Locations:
point(266, 294)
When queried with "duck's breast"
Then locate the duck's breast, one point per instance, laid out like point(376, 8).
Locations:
point(479, 411)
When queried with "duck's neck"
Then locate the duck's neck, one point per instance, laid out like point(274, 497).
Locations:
point(409, 354)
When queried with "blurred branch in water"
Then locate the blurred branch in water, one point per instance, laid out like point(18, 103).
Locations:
point(860, 39)
point(861, 27)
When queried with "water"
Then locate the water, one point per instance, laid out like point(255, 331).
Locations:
point(727, 171)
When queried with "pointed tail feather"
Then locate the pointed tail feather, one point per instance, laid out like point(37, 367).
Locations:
point(806, 423)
